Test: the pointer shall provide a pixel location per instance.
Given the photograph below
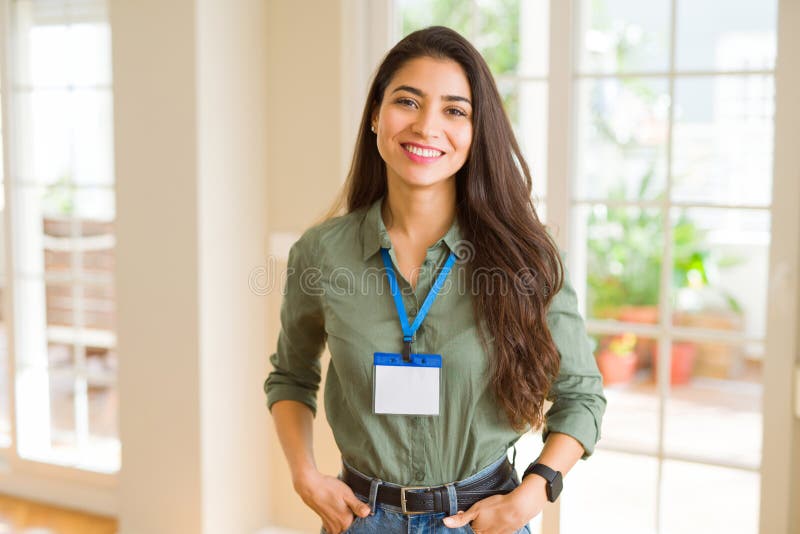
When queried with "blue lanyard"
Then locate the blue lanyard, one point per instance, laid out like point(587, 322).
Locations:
point(409, 331)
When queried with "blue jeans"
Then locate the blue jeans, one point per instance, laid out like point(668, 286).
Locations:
point(389, 519)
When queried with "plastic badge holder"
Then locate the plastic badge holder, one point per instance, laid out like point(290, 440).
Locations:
point(402, 388)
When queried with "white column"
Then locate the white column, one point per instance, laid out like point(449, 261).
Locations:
point(232, 225)
point(190, 142)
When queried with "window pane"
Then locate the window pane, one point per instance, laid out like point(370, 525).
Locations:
point(45, 49)
point(103, 409)
point(721, 269)
point(417, 14)
point(44, 137)
point(612, 493)
point(75, 236)
point(60, 304)
point(98, 306)
point(621, 138)
point(60, 356)
point(714, 407)
point(623, 36)
point(63, 436)
point(90, 51)
point(509, 92)
point(729, 35)
point(700, 498)
point(498, 34)
point(95, 204)
point(66, 137)
point(92, 137)
point(723, 140)
point(621, 261)
point(56, 53)
point(631, 419)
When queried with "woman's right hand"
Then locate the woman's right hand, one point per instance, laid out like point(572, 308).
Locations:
point(332, 500)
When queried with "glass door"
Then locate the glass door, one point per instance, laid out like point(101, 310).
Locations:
point(669, 225)
point(654, 130)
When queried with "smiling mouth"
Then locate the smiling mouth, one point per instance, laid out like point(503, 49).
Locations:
point(422, 152)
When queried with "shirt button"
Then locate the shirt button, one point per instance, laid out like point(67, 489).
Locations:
point(412, 311)
point(419, 476)
point(428, 263)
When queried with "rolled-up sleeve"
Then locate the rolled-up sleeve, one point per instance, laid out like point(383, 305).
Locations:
point(577, 392)
point(296, 363)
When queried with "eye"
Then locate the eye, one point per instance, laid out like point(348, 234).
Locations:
point(458, 112)
point(408, 102)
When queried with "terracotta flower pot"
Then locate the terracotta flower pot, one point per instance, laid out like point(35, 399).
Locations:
point(616, 368)
point(682, 365)
point(639, 314)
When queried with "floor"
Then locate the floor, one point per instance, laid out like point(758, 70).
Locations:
point(707, 419)
point(18, 516)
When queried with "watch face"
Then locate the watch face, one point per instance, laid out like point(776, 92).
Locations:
point(555, 487)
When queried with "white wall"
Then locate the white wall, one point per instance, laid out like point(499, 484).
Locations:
point(305, 171)
point(157, 276)
point(303, 103)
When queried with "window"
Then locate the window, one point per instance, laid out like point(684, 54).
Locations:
point(666, 222)
point(61, 186)
point(670, 235)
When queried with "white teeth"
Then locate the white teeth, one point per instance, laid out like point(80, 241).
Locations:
point(424, 152)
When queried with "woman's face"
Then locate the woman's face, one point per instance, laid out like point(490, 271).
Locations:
point(424, 124)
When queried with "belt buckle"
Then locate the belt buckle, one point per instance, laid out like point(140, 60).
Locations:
point(403, 498)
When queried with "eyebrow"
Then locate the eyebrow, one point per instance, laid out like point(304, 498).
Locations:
point(419, 93)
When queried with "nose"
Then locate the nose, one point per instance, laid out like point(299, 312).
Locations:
point(427, 123)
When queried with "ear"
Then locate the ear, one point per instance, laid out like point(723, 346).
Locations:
point(373, 121)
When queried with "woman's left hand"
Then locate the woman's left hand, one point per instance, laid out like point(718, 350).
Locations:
point(503, 514)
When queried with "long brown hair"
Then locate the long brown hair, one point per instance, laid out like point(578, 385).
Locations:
point(497, 218)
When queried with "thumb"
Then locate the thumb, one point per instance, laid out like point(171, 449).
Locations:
point(359, 508)
point(460, 519)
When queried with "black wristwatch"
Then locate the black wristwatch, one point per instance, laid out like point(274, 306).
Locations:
point(553, 478)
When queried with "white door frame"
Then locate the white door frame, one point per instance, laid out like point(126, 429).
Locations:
point(783, 291)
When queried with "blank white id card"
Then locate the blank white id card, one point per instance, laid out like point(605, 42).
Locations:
point(406, 388)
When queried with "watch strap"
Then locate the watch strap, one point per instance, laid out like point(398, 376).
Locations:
point(541, 470)
point(553, 478)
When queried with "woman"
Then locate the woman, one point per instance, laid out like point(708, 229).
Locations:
point(424, 407)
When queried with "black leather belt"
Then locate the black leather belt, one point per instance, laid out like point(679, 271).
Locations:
point(433, 499)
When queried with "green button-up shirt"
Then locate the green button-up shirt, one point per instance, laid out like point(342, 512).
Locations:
point(336, 291)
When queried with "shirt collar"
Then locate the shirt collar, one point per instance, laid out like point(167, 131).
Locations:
point(374, 235)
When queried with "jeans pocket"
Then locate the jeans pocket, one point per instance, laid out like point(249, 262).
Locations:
point(356, 525)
